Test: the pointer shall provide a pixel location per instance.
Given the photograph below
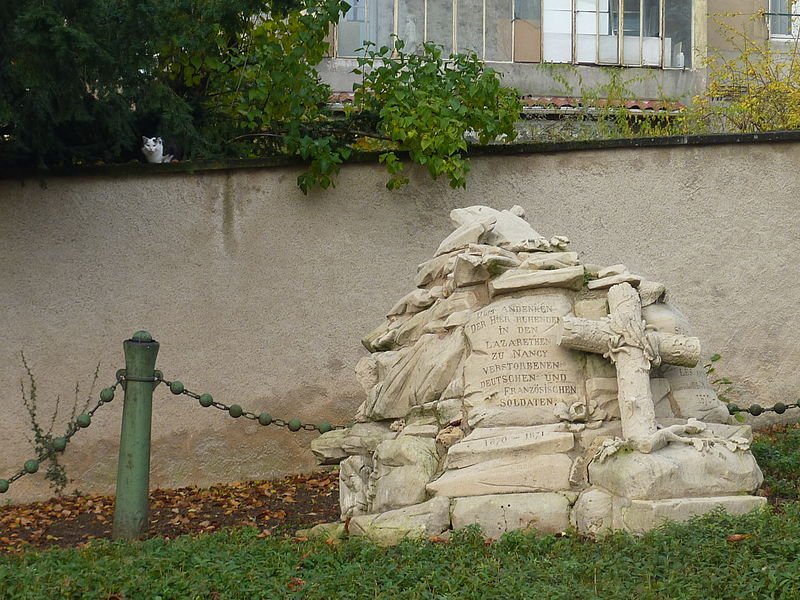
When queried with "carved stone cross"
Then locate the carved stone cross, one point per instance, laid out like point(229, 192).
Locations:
point(623, 337)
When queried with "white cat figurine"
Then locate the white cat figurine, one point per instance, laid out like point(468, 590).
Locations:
point(153, 150)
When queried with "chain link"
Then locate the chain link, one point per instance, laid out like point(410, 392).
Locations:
point(59, 444)
point(757, 409)
point(236, 411)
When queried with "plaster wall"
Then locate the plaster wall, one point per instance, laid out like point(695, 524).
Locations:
point(259, 295)
point(738, 15)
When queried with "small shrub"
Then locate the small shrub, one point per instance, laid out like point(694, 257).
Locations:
point(42, 439)
point(754, 87)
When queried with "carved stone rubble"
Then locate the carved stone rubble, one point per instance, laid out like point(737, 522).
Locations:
point(518, 388)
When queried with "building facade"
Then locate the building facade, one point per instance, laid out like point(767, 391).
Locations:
point(660, 43)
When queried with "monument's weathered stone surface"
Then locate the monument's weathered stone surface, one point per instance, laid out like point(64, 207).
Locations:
point(643, 515)
point(593, 512)
point(519, 388)
point(421, 520)
point(418, 377)
point(328, 449)
point(677, 471)
point(545, 472)
point(354, 479)
point(496, 514)
point(518, 279)
point(403, 467)
point(691, 392)
point(505, 442)
point(363, 436)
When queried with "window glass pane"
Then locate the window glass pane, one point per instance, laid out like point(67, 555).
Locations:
point(527, 31)
point(613, 17)
point(557, 30)
point(352, 28)
point(440, 24)
point(651, 18)
point(787, 23)
point(632, 16)
point(557, 16)
point(779, 24)
point(651, 51)
point(678, 33)
point(586, 22)
point(586, 48)
point(631, 52)
point(608, 48)
point(586, 31)
point(556, 47)
point(530, 10)
point(651, 29)
point(604, 17)
point(380, 16)
point(469, 32)
point(794, 7)
point(411, 23)
point(498, 29)
point(632, 27)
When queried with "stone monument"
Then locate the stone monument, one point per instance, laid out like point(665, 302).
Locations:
point(517, 388)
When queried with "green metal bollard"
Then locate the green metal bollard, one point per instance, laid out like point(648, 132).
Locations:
point(133, 470)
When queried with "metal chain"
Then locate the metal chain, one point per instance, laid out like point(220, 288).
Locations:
point(756, 409)
point(176, 387)
point(236, 411)
point(59, 444)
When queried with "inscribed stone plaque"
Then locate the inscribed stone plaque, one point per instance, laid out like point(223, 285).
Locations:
point(516, 372)
point(507, 441)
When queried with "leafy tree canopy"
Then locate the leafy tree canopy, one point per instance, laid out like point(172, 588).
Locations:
point(81, 82)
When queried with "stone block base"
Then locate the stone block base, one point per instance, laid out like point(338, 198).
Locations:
point(499, 513)
point(597, 512)
point(644, 515)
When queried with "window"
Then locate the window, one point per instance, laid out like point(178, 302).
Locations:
point(480, 26)
point(653, 33)
point(783, 20)
point(366, 20)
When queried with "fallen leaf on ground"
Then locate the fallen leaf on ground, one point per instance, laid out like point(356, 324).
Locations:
point(277, 507)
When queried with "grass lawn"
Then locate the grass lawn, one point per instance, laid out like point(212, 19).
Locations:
point(714, 557)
